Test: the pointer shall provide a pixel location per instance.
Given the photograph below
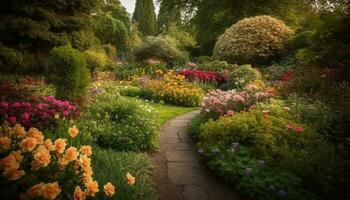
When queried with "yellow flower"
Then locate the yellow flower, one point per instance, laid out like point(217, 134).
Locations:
point(38, 135)
point(86, 150)
point(13, 175)
point(109, 189)
point(79, 194)
point(92, 188)
point(51, 190)
point(34, 191)
point(28, 144)
point(73, 132)
point(5, 143)
point(19, 131)
point(130, 179)
point(48, 144)
point(41, 157)
point(71, 154)
point(60, 145)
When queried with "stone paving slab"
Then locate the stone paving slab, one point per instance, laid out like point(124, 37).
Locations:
point(180, 175)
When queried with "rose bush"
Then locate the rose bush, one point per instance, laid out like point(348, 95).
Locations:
point(206, 76)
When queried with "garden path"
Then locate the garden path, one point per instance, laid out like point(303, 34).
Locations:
point(178, 174)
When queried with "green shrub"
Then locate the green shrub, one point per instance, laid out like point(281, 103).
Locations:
point(242, 76)
point(11, 60)
point(130, 91)
point(69, 72)
point(194, 128)
point(253, 40)
point(216, 65)
point(202, 59)
point(161, 47)
point(95, 60)
point(124, 71)
point(300, 40)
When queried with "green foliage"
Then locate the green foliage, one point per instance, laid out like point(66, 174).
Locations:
point(162, 47)
point(186, 42)
point(145, 17)
point(11, 60)
point(112, 167)
point(96, 60)
point(130, 91)
point(253, 40)
point(69, 72)
point(194, 128)
point(242, 76)
point(216, 65)
point(300, 40)
point(166, 18)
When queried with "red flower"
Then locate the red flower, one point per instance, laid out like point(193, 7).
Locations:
point(298, 129)
point(287, 76)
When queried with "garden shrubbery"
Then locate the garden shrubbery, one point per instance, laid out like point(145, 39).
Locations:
point(69, 72)
point(253, 40)
point(96, 61)
point(242, 76)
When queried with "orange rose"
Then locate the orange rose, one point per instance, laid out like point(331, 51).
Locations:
point(19, 131)
point(18, 156)
point(42, 158)
point(130, 179)
point(48, 144)
point(86, 150)
point(71, 154)
point(38, 135)
point(92, 188)
point(28, 144)
point(62, 163)
point(51, 190)
point(5, 143)
point(109, 189)
point(13, 175)
point(60, 145)
point(73, 131)
point(34, 191)
point(9, 163)
point(79, 194)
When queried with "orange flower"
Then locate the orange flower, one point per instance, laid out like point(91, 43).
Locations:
point(19, 131)
point(60, 145)
point(48, 144)
point(79, 194)
point(86, 150)
point(17, 155)
point(62, 163)
point(34, 191)
point(9, 163)
point(28, 144)
point(71, 154)
point(73, 131)
point(51, 190)
point(5, 143)
point(38, 135)
point(42, 158)
point(109, 189)
point(92, 188)
point(130, 179)
point(13, 175)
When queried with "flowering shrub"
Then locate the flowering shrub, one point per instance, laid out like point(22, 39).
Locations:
point(242, 76)
point(35, 167)
point(40, 113)
point(209, 76)
point(220, 102)
point(287, 76)
point(172, 89)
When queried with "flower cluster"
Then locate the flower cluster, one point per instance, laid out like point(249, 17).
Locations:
point(25, 155)
point(39, 113)
point(172, 89)
point(220, 102)
point(287, 76)
point(202, 75)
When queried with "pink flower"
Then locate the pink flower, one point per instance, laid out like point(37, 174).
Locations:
point(16, 105)
point(230, 113)
point(65, 113)
point(12, 120)
point(4, 104)
point(289, 126)
point(298, 129)
point(25, 116)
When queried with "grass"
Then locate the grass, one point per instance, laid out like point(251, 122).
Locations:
point(164, 112)
point(111, 166)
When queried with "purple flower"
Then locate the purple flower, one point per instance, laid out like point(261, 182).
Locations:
point(248, 171)
point(12, 120)
point(282, 194)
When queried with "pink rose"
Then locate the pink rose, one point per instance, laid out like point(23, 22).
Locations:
point(4, 104)
point(25, 116)
point(12, 120)
point(298, 129)
point(16, 105)
point(230, 113)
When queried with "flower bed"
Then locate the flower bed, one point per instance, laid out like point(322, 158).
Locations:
point(41, 112)
point(210, 76)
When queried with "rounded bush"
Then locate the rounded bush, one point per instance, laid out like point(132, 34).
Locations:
point(300, 40)
point(69, 72)
point(253, 40)
point(242, 76)
point(96, 61)
point(11, 60)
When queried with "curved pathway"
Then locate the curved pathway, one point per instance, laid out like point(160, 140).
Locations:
point(178, 174)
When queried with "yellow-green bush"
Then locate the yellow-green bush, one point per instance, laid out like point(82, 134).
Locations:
point(96, 60)
point(253, 40)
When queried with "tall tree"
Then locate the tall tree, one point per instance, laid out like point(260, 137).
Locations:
point(168, 17)
point(145, 17)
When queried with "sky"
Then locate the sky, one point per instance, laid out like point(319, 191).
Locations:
point(130, 5)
